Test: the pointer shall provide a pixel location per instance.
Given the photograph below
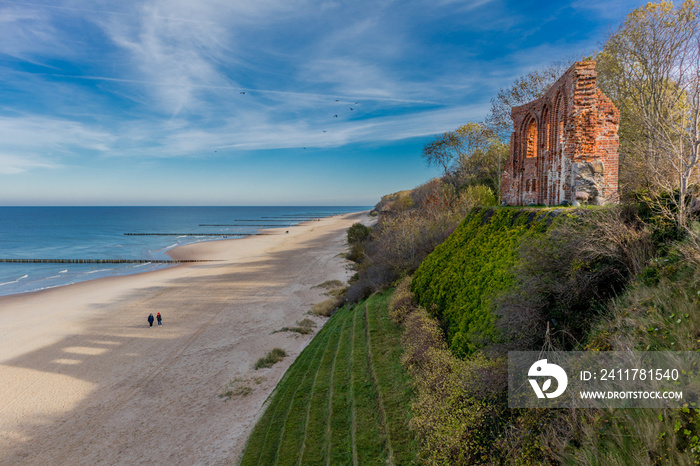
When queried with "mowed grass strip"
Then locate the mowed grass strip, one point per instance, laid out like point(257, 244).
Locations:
point(340, 425)
point(393, 381)
point(312, 392)
point(326, 408)
point(370, 444)
point(270, 450)
point(263, 442)
point(313, 437)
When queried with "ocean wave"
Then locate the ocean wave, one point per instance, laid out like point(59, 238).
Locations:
point(167, 248)
point(141, 265)
point(15, 281)
point(97, 271)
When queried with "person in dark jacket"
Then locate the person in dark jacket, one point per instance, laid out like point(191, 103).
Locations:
point(159, 319)
point(150, 320)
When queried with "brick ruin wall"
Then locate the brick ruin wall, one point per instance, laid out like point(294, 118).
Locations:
point(564, 145)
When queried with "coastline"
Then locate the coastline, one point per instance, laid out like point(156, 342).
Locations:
point(85, 379)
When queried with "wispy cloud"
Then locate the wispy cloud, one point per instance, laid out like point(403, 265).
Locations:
point(13, 164)
point(45, 139)
point(170, 82)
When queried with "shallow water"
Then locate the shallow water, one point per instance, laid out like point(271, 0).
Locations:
point(99, 233)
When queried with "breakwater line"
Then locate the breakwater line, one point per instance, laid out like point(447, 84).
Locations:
point(197, 234)
point(277, 225)
point(301, 219)
point(101, 261)
point(247, 220)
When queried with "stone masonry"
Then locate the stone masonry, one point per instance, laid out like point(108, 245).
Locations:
point(564, 145)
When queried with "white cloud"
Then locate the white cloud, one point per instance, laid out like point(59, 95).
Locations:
point(12, 164)
point(26, 33)
point(31, 142)
point(179, 67)
point(258, 132)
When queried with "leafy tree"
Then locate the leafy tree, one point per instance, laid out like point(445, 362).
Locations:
point(470, 155)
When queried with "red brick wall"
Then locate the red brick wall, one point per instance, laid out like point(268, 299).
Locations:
point(573, 153)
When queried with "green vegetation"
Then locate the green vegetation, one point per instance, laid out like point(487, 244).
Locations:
point(358, 233)
point(455, 283)
point(346, 398)
point(407, 231)
point(471, 155)
point(659, 312)
point(502, 279)
point(274, 356)
point(597, 280)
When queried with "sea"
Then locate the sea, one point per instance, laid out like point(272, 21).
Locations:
point(122, 233)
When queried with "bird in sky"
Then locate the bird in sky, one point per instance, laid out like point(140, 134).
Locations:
point(243, 92)
point(335, 116)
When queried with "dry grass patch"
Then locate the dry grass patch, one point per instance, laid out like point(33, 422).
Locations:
point(325, 308)
point(237, 387)
point(304, 327)
point(336, 298)
point(274, 356)
point(401, 302)
point(330, 284)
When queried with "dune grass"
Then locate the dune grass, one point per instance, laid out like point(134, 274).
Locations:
point(304, 327)
point(345, 400)
point(276, 355)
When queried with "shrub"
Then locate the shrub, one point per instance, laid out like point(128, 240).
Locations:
point(565, 278)
point(401, 302)
point(411, 224)
point(358, 233)
point(356, 253)
point(274, 356)
point(476, 196)
point(458, 280)
point(460, 406)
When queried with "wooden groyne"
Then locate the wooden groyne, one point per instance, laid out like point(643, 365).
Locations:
point(296, 219)
point(100, 261)
point(277, 225)
point(196, 234)
point(258, 220)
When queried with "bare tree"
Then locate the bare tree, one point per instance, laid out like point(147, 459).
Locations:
point(651, 69)
point(524, 89)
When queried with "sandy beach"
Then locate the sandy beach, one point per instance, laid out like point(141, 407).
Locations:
point(84, 380)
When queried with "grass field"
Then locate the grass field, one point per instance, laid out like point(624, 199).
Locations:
point(345, 400)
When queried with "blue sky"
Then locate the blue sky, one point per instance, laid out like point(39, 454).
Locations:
point(226, 102)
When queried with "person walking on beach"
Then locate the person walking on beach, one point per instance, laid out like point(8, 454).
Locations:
point(160, 320)
point(150, 320)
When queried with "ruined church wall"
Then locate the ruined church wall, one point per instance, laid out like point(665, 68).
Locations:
point(564, 144)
